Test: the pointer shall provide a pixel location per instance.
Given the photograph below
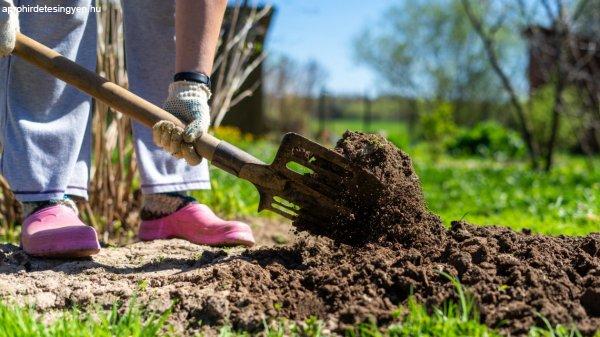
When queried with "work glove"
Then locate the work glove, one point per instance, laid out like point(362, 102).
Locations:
point(187, 101)
point(9, 26)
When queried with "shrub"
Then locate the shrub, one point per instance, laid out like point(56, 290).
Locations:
point(487, 139)
point(437, 127)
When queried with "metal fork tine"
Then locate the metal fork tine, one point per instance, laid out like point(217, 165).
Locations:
point(317, 195)
point(265, 200)
point(312, 199)
point(310, 183)
point(295, 140)
point(282, 213)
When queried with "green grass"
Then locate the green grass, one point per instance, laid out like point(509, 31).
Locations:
point(413, 319)
point(449, 321)
point(564, 201)
point(453, 319)
point(17, 321)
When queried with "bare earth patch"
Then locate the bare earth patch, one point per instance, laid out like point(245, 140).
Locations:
point(160, 273)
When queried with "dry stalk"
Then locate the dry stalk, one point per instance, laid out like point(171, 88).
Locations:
point(114, 202)
point(236, 61)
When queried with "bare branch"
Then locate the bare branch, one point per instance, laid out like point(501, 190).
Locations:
point(236, 61)
point(581, 6)
point(549, 11)
point(488, 44)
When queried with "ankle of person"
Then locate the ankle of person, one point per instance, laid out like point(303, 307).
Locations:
point(30, 207)
point(159, 205)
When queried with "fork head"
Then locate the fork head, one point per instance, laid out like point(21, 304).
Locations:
point(315, 182)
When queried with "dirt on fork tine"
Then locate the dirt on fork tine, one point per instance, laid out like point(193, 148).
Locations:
point(361, 271)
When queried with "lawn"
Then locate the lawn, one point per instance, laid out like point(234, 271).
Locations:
point(16, 321)
point(564, 201)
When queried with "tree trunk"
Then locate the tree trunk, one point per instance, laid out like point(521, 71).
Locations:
point(561, 43)
point(488, 45)
point(555, 123)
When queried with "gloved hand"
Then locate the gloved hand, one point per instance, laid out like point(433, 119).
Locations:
point(187, 101)
point(9, 26)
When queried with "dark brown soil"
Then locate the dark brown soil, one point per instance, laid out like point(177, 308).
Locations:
point(385, 216)
point(513, 277)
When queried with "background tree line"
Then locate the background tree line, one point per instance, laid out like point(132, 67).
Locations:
point(469, 60)
point(445, 66)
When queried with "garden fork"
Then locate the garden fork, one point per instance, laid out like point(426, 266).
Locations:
point(305, 180)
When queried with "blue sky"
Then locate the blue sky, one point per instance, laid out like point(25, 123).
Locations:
point(323, 30)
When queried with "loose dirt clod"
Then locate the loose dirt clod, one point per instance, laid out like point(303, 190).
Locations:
point(397, 248)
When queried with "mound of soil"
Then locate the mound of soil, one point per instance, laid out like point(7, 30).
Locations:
point(385, 216)
point(513, 277)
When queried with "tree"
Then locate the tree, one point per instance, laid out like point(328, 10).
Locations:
point(556, 30)
point(292, 89)
point(466, 51)
point(587, 17)
point(428, 49)
point(312, 80)
point(488, 38)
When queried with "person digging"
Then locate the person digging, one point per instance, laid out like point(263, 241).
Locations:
point(45, 124)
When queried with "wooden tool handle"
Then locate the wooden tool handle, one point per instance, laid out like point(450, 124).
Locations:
point(123, 100)
point(88, 81)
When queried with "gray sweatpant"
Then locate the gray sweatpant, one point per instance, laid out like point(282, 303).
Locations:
point(45, 124)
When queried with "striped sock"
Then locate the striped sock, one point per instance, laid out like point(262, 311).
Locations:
point(159, 205)
point(31, 207)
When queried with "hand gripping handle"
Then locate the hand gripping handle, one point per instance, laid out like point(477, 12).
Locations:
point(221, 154)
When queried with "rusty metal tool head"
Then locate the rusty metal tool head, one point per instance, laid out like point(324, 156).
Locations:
point(305, 179)
point(319, 181)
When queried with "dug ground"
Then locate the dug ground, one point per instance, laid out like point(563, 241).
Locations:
point(345, 273)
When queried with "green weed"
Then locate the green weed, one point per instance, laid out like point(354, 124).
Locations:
point(16, 321)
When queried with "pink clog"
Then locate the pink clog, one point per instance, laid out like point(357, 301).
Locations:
point(198, 224)
point(56, 231)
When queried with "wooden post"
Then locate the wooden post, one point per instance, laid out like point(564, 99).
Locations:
point(367, 116)
point(321, 112)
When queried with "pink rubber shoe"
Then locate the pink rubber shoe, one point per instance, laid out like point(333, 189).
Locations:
point(198, 224)
point(56, 231)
